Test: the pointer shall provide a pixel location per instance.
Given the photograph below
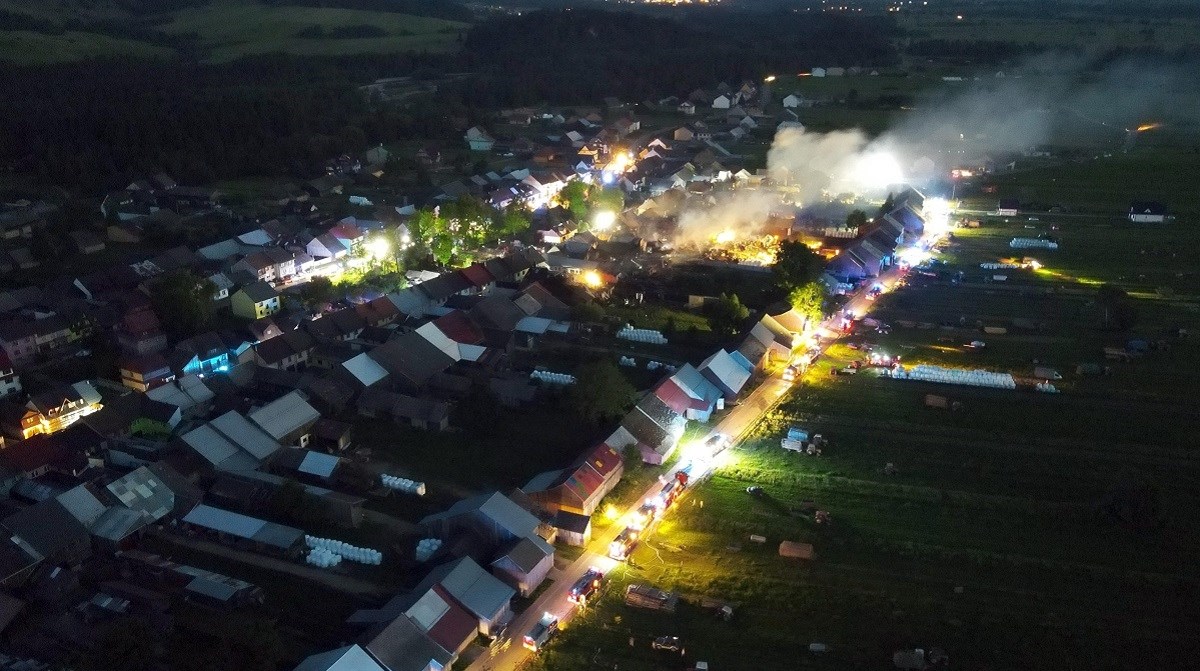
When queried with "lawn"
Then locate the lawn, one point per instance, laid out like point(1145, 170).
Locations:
point(233, 28)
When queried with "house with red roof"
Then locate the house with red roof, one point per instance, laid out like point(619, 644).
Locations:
point(481, 279)
point(458, 327)
point(580, 488)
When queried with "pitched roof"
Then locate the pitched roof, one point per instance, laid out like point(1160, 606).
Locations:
point(349, 658)
point(526, 554)
point(143, 491)
point(732, 370)
point(244, 526)
point(459, 328)
point(403, 646)
point(284, 415)
point(476, 589)
point(259, 291)
point(412, 357)
point(444, 286)
point(47, 527)
point(365, 369)
point(673, 396)
point(478, 275)
point(497, 313)
point(497, 507)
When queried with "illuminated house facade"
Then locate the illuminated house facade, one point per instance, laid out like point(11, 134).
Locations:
point(52, 412)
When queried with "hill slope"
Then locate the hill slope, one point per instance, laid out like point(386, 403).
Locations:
point(34, 31)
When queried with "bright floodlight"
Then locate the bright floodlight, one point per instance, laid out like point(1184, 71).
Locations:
point(604, 220)
point(379, 247)
point(593, 279)
point(878, 170)
point(937, 215)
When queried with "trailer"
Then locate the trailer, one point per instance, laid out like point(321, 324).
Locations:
point(641, 596)
point(801, 440)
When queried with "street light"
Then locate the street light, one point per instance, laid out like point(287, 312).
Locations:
point(379, 247)
point(604, 220)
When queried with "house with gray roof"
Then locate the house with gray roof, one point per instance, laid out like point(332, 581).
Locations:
point(237, 529)
point(494, 517)
point(348, 658)
point(476, 590)
point(525, 564)
point(287, 419)
point(231, 443)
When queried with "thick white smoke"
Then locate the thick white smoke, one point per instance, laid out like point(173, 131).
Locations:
point(743, 211)
point(1050, 98)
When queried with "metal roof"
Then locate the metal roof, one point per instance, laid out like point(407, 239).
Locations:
point(184, 392)
point(350, 658)
point(245, 435)
point(211, 445)
point(224, 521)
point(284, 415)
point(141, 490)
point(476, 589)
point(116, 523)
point(365, 369)
point(428, 610)
point(82, 504)
point(319, 464)
point(728, 369)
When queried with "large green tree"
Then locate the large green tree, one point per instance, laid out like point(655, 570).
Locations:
point(183, 302)
point(600, 392)
point(809, 300)
point(317, 292)
point(726, 313)
point(856, 219)
point(574, 197)
point(796, 265)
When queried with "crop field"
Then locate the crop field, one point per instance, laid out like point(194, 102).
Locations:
point(233, 28)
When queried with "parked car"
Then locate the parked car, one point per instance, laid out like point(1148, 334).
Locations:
point(585, 587)
point(541, 632)
point(668, 643)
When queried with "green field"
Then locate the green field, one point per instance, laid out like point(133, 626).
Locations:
point(225, 30)
point(23, 47)
point(233, 28)
point(1107, 185)
point(1007, 535)
point(1043, 31)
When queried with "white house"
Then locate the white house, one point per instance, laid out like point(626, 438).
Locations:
point(792, 101)
point(818, 72)
point(722, 102)
point(687, 107)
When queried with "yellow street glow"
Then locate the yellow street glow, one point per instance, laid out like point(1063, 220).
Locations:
point(593, 279)
point(379, 247)
point(604, 220)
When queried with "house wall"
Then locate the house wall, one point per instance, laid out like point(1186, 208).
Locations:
point(574, 538)
point(524, 583)
point(10, 383)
